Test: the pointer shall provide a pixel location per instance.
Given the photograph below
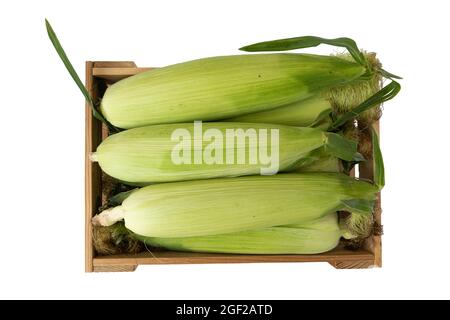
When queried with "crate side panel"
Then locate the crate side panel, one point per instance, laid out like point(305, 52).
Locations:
point(92, 171)
point(172, 257)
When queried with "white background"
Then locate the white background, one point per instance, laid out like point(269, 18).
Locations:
point(42, 142)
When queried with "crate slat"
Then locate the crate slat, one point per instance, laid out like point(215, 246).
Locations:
point(111, 74)
point(337, 257)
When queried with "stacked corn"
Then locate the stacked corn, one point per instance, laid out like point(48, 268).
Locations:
point(226, 206)
point(225, 197)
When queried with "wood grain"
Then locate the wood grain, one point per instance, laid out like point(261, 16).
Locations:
point(117, 73)
point(118, 268)
point(360, 264)
point(91, 181)
point(171, 257)
point(114, 64)
point(95, 133)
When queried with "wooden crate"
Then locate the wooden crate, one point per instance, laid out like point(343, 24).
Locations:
point(98, 75)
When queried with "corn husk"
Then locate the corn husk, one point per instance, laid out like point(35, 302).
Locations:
point(218, 206)
point(222, 87)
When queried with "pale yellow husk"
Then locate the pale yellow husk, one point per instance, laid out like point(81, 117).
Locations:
point(222, 87)
point(336, 100)
point(142, 156)
point(218, 206)
point(313, 237)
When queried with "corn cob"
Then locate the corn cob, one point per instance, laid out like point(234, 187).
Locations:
point(218, 206)
point(319, 161)
point(313, 237)
point(316, 111)
point(145, 155)
point(222, 87)
point(304, 113)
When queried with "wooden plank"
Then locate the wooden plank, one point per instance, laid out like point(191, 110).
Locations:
point(95, 133)
point(360, 264)
point(90, 185)
point(114, 64)
point(113, 71)
point(171, 257)
point(117, 73)
point(119, 268)
point(373, 244)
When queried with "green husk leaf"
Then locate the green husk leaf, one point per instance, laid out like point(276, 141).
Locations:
point(120, 197)
point(62, 54)
point(342, 148)
point(307, 42)
point(389, 75)
point(320, 161)
point(359, 206)
point(321, 117)
point(358, 158)
point(385, 94)
point(348, 166)
point(378, 163)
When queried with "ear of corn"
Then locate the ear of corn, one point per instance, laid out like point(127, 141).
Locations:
point(319, 161)
point(309, 238)
point(303, 113)
point(316, 110)
point(294, 89)
point(143, 155)
point(217, 206)
point(222, 87)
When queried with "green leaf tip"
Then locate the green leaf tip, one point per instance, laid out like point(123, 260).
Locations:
point(341, 147)
point(308, 42)
point(120, 197)
point(312, 41)
point(359, 206)
point(327, 113)
point(62, 54)
point(389, 75)
point(378, 162)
